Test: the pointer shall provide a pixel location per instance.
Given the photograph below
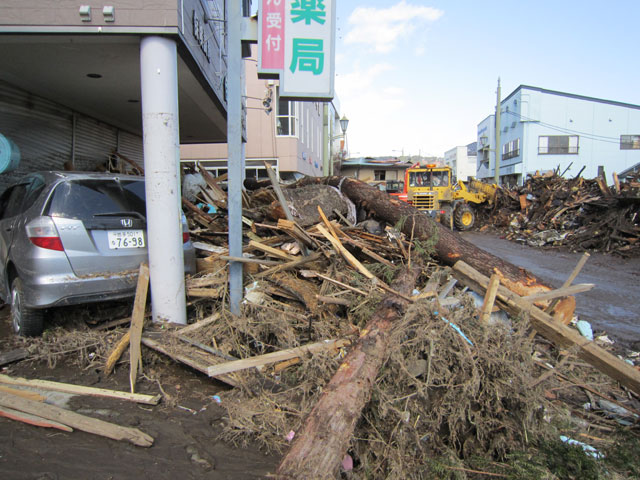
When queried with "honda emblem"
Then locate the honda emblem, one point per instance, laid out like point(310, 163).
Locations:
point(126, 222)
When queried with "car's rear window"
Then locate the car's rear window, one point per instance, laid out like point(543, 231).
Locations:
point(83, 199)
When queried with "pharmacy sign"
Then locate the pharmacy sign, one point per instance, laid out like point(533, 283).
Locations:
point(296, 44)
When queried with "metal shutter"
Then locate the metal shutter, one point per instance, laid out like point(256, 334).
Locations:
point(41, 129)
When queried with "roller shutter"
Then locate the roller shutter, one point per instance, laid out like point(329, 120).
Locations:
point(41, 129)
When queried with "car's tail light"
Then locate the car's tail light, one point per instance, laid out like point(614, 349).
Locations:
point(185, 237)
point(43, 233)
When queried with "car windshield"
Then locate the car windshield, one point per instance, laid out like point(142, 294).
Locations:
point(85, 199)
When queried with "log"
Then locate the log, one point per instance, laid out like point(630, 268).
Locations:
point(449, 247)
point(321, 444)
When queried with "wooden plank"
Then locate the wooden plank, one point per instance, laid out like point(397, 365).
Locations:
point(289, 266)
point(117, 352)
point(80, 390)
point(178, 357)
point(36, 397)
point(13, 356)
point(353, 261)
point(274, 252)
point(570, 279)
point(557, 332)
point(32, 419)
point(204, 292)
point(310, 273)
point(489, 299)
point(137, 322)
point(283, 201)
point(199, 324)
point(560, 292)
point(274, 357)
point(260, 261)
point(75, 420)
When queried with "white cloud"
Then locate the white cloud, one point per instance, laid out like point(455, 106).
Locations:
point(381, 28)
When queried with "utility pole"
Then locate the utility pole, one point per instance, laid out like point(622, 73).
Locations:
point(498, 149)
point(235, 149)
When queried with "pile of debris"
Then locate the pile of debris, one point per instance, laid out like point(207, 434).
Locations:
point(584, 215)
point(367, 349)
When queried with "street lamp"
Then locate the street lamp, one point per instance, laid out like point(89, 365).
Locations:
point(344, 123)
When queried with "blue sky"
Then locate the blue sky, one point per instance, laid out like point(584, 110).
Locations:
point(416, 77)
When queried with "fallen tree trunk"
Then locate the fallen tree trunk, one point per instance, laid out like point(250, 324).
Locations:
point(321, 444)
point(449, 247)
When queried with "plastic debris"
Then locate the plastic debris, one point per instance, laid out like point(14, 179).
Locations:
point(588, 449)
point(347, 463)
point(585, 330)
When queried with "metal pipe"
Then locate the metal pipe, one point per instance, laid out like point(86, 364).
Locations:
point(159, 81)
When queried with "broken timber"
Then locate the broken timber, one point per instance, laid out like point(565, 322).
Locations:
point(322, 442)
point(75, 420)
point(449, 247)
point(557, 332)
point(80, 390)
point(274, 357)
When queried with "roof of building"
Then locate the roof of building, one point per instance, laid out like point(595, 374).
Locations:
point(381, 162)
point(629, 171)
point(570, 95)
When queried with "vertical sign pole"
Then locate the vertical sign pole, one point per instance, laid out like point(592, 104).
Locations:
point(234, 142)
point(498, 146)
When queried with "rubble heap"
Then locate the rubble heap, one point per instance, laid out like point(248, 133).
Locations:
point(584, 215)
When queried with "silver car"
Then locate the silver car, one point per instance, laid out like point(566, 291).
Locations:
point(69, 238)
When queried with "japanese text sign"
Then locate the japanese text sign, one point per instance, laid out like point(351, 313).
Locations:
point(297, 43)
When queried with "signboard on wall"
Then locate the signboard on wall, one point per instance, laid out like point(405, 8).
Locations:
point(296, 44)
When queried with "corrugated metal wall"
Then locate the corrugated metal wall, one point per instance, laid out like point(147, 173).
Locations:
point(44, 132)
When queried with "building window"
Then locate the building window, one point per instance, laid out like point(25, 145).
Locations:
point(286, 118)
point(511, 149)
point(379, 175)
point(558, 145)
point(629, 142)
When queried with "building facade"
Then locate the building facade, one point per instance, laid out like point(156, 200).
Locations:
point(375, 171)
point(295, 137)
point(70, 85)
point(543, 130)
point(462, 160)
point(81, 83)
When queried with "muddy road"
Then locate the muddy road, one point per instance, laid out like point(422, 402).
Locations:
point(612, 306)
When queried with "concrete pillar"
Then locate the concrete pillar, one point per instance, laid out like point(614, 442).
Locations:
point(159, 82)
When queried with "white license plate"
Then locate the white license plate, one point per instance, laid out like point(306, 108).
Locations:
point(125, 239)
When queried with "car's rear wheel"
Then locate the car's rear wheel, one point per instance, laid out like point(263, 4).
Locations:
point(27, 322)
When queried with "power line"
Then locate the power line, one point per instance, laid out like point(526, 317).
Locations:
point(589, 136)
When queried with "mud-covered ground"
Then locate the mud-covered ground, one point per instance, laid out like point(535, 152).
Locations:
point(612, 306)
point(184, 426)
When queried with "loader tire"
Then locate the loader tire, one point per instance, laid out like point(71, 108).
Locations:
point(464, 217)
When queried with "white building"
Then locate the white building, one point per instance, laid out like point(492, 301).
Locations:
point(462, 160)
point(544, 130)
